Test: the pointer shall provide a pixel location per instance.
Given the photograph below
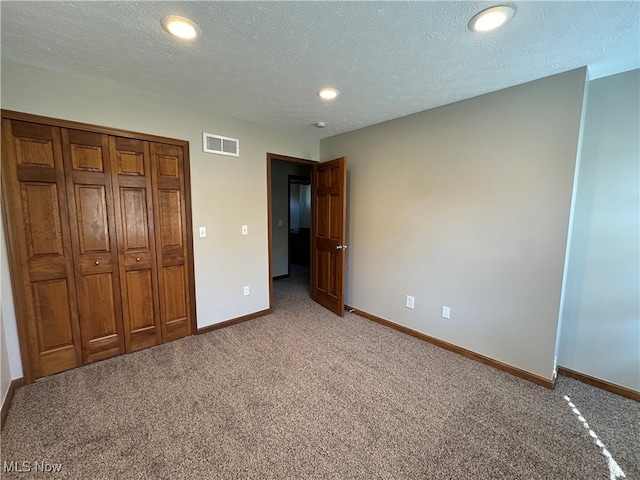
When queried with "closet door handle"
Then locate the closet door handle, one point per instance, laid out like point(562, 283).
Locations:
point(97, 262)
point(138, 259)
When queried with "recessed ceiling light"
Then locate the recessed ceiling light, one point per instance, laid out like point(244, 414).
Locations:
point(180, 27)
point(491, 18)
point(328, 93)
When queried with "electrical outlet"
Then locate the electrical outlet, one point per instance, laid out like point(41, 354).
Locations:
point(410, 302)
point(446, 312)
point(246, 290)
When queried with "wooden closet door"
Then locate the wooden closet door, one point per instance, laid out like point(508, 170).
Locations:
point(38, 230)
point(91, 217)
point(168, 175)
point(133, 199)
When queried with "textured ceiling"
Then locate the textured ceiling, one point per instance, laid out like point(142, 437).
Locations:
point(264, 61)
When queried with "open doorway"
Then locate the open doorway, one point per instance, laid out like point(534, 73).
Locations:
point(289, 194)
point(328, 204)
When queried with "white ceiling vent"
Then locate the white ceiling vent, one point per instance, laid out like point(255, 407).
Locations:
point(221, 145)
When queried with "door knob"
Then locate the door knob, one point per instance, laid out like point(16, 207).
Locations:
point(344, 247)
point(338, 247)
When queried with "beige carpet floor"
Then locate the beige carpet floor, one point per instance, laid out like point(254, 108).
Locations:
point(303, 394)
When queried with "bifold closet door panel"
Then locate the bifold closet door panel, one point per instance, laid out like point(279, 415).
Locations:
point(168, 176)
point(93, 233)
point(36, 200)
point(133, 198)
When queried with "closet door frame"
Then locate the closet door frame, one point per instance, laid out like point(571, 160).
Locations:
point(12, 238)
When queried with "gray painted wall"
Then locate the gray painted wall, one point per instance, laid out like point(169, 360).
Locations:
point(11, 362)
point(5, 370)
point(600, 329)
point(226, 192)
point(280, 172)
point(467, 206)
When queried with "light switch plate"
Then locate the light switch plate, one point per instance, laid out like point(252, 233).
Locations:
point(203, 232)
point(245, 230)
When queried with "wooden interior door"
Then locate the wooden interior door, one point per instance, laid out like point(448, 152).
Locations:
point(329, 207)
point(91, 217)
point(37, 230)
point(133, 201)
point(168, 177)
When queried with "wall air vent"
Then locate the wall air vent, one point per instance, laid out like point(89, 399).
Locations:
point(221, 145)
